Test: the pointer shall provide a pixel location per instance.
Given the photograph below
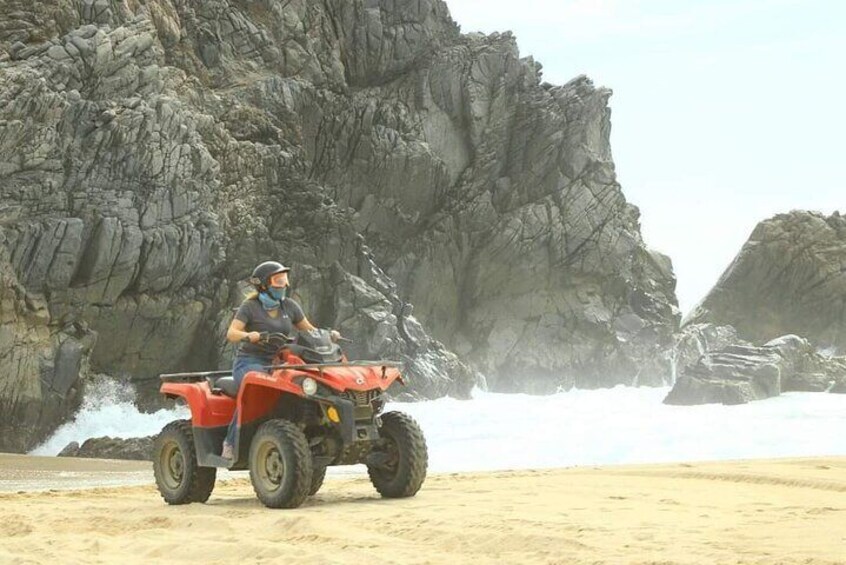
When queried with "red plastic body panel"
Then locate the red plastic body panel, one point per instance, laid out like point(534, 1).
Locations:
point(207, 410)
point(344, 378)
point(260, 392)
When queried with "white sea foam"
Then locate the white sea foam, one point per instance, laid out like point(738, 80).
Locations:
point(108, 410)
point(580, 427)
point(622, 425)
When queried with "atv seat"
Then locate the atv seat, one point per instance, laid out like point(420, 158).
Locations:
point(226, 386)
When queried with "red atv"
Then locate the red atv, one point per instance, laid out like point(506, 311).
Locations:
point(310, 409)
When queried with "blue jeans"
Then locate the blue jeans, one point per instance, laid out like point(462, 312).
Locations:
point(242, 365)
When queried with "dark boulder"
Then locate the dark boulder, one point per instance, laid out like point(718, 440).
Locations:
point(741, 373)
point(734, 375)
point(140, 448)
point(696, 340)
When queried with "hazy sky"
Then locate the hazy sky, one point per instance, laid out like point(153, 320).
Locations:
point(724, 112)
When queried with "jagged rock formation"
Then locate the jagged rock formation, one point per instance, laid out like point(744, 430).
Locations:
point(138, 448)
point(789, 278)
point(740, 373)
point(696, 340)
point(152, 152)
point(42, 366)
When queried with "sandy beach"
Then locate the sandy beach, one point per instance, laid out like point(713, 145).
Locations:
point(766, 511)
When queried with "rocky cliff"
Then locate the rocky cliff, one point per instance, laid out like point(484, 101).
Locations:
point(151, 152)
point(789, 278)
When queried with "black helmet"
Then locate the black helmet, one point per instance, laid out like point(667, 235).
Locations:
point(261, 274)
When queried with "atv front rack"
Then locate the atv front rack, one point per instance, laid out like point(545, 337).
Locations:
point(193, 377)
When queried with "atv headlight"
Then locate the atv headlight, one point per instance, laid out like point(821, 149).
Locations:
point(309, 386)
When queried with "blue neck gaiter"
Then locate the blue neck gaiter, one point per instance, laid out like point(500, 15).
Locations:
point(268, 302)
point(278, 293)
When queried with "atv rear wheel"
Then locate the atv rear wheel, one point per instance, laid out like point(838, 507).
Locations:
point(407, 458)
point(178, 476)
point(280, 464)
point(318, 474)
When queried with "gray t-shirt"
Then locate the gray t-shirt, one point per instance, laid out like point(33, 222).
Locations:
point(257, 319)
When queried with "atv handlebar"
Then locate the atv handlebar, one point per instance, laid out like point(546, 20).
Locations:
point(276, 337)
point(270, 337)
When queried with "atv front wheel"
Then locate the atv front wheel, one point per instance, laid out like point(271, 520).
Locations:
point(404, 469)
point(280, 464)
point(317, 476)
point(178, 476)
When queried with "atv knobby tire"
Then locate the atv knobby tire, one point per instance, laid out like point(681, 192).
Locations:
point(178, 476)
point(318, 473)
point(280, 464)
point(404, 472)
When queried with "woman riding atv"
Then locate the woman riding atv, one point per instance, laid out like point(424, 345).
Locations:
point(267, 309)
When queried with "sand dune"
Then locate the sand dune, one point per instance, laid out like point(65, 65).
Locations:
point(778, 511)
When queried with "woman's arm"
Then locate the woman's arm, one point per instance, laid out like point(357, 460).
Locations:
point(236, 332)
point(304, 325)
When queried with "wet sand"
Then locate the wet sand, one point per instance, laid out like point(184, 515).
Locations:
point(773, 511)
point(28, 473)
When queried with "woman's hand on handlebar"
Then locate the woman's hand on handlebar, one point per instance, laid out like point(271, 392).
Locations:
point(252, 337)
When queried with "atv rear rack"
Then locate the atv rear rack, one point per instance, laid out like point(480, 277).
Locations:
point(193, 377)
